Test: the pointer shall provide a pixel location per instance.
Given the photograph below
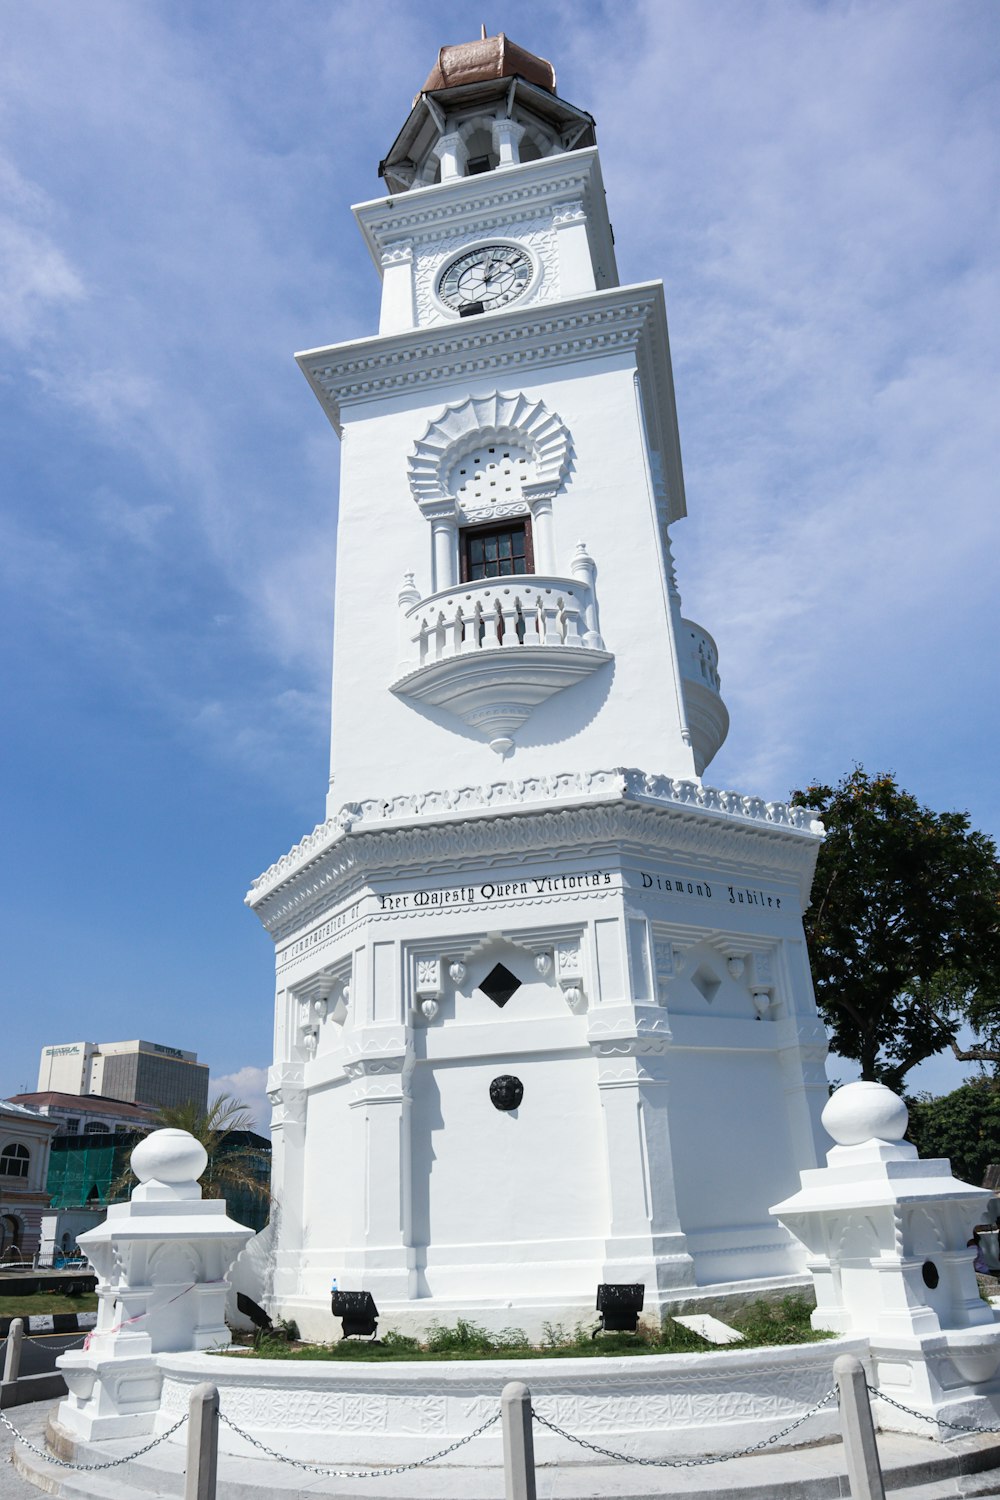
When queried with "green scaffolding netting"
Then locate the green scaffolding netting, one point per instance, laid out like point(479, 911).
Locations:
point(82, 1174)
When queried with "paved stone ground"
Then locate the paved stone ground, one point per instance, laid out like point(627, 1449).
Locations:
point(790, 1475)
point(12, 1486)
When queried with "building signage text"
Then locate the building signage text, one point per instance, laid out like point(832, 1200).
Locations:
point(735, 895)
point(500, 890)
point(320, 934)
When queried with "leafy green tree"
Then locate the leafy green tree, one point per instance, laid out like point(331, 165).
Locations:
point(903, 929)
point(963, 1125)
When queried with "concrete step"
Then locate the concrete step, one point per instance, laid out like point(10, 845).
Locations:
point(915, 1469)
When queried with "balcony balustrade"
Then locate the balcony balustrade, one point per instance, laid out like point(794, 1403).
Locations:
point(707, 715)
point(491, 651)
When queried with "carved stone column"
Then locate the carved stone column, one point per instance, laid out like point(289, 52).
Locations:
point(398, 307)
point(287, 1094)
point(453, 154)
point(507, 136)
point(645, 1241)
point(385, 1263)
point(576, 268)
point(444, 542)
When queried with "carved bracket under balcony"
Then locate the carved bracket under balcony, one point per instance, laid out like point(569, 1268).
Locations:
point(490, 652)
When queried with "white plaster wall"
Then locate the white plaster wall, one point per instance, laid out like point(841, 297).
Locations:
point(330, 1211)
point(514, 1203)
point(732, 1154)
point(626, 713)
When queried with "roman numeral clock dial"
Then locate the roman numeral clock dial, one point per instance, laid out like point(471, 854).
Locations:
point(491, 276)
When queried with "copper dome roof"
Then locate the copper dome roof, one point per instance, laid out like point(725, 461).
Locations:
point(488, 58)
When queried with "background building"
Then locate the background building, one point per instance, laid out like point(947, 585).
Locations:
point(25, 1139)
point(87, 1167)
point(145, 1073)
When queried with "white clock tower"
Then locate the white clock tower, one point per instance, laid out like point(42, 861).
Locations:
point(543, 1020)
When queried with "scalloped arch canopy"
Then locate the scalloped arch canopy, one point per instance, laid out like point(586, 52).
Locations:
point(513, 419)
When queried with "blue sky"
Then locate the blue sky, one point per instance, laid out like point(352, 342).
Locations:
point(816, 184)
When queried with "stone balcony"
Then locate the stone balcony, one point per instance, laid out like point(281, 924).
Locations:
point(707, 715)
point(490, 652)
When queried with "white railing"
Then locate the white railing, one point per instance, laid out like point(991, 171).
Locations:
point(501, 614)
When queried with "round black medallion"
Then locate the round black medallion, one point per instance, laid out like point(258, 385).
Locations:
point(506, 1092)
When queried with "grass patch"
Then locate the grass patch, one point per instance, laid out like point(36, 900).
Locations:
point(784, 1322)
point(35, 1304)
point(761, 1324)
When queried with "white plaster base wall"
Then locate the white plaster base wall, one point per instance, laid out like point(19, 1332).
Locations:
point(662, 1025)
point(644, 1405)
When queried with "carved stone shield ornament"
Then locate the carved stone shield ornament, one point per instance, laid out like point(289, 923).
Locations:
point(506, 1092)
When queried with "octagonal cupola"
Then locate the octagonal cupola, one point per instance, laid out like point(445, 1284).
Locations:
point(486, 105)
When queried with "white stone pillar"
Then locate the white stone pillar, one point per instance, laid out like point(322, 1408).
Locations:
point(408, 596)
point(584, 568)
point(398, 311)
point(453, 154)
point(288, 1128)
point(540, 507)
point(444, 543)
point(385, 1262)
point(576, 267)
point(507, 136)
point(161, 1261)
point(887, 1240)
point(645, 1242)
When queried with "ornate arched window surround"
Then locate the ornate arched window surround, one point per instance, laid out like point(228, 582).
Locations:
point(15, 1160)
point(527, 427)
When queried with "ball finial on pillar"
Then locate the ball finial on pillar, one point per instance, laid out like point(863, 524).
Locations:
point(865, 1111)
point(168, 1163)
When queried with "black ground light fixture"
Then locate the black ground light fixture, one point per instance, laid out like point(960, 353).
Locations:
point(261, 1322)
point(358, 1313)
point(619, 1304)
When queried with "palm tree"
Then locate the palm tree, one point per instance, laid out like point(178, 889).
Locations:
point(234, 1168)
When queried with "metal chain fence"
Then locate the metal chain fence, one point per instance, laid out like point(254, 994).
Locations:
point(873, 1390)
point(114, 1463)
point(388, 1470)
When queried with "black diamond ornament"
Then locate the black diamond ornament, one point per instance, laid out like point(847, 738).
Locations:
point(499, 985)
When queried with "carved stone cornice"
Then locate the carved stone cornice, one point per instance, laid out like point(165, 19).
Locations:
point(626, 812)
point(494, 203)
point(620, 320)
point(581, 328)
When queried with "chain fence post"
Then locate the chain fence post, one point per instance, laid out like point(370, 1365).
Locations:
point(12, 1355)
point(864, 1472)
point(518, 1446)
point(203, 1443)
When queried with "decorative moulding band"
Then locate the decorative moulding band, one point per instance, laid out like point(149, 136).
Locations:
point(719, 821)
point(588, 327)
point(428, 213)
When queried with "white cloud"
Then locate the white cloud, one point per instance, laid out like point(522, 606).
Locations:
point(819, 187)
point(36, 277)
point(248, 1085)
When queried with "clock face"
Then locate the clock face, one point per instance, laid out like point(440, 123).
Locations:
point(493, 275)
